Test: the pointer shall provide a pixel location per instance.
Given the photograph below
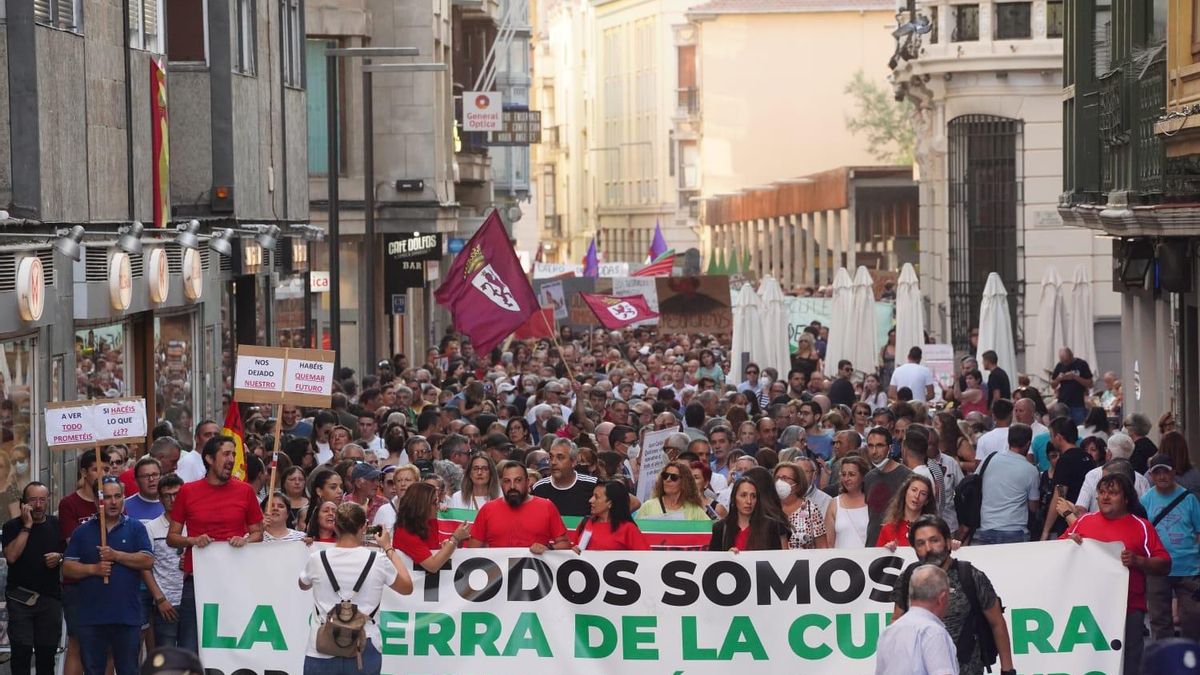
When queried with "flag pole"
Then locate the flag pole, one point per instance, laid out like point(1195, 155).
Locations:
point(99, 488)
point(275, 448)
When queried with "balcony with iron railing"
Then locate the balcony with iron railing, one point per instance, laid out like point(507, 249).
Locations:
point(965, 37)
point(688, 102)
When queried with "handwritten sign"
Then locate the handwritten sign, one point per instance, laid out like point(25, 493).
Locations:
point(69, 425)
point(284, 375)
point(652, 460)
point(85, 424)
point(120, 419)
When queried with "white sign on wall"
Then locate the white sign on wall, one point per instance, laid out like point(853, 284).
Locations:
point(318, 281)
point(120, 281)
point(482, 111)
point(31, 288)
point(157, 275)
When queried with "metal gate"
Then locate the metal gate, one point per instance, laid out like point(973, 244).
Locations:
point(985, 198)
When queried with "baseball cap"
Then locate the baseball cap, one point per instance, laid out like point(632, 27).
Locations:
point(506, 387)
point(364, 470)
point(496, 440)
point(1161, 461)
point(1172, 656)
point(543, 465)
point(172, 661)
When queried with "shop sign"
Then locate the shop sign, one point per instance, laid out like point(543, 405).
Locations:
point(120, 281)
point(414, 246)
point(85, 424)
point(318, 282)
point(284, 375)
point(193, 274)
point(31, 288)
point(482, 111)
point(157, 275)
point(456, 244)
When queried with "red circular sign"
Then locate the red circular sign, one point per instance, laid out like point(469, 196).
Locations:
point(483, 101)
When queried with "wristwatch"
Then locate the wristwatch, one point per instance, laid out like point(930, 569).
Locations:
point(1009, 672)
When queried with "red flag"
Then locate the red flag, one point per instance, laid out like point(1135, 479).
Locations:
point(485, 289)
point(658, 268)
point(234, 429)
point(540, 325)
point(618, 311)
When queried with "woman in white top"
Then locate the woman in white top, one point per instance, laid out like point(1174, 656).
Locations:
point(846, 520)
point(480, 484)
point(872, 393)
point(347, 560)
point(275, 517)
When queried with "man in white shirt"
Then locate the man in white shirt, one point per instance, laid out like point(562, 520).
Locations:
point(368, 435)
point(917, 643)
point(913, 375)
point(1120, 446)
point(1025, 412)
point(191, 466)
point(995, 440)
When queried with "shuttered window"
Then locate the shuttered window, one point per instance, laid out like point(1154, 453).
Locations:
point(293, 41)
point(245, 47)
point(145, 26)
point(62, 14)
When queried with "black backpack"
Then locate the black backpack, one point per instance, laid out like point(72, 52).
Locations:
point(976, 629)
point(968, 498)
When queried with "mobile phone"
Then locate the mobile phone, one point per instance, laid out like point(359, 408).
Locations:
point(374, 530)
point(24, 596)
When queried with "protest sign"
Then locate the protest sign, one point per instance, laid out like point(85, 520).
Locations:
point(643, 286)
point(69, 425)
point(284, 375)
point(803, 311)
point(694, 305)
point(652, 460)
point(939, 359)
point(552, 294)
point(508, 612)
point(120, 419)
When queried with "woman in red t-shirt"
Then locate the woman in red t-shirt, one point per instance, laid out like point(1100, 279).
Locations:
point(321, 527)
point(610, 527)
point(750, 525)
point(416, 534)
point(913, 500)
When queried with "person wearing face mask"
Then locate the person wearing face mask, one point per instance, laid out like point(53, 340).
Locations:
point(883, 481)
point(805, 519)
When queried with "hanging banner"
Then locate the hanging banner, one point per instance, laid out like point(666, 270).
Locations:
point(509, 612)
point(160, 167)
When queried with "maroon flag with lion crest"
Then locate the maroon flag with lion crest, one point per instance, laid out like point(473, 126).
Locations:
point(486, 290)
point(617, 311)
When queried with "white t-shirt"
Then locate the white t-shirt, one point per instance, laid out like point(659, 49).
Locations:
point(377, 446)
point(914, 376)
point(385, 516)
point(347, 565)
point(990, 443)
point(166, 559)
point(1087, 491)
point(191, 467)
point(324, 453)
point(458, 501)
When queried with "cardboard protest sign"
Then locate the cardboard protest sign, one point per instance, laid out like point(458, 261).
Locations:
point(284, 375)
point(86, 424)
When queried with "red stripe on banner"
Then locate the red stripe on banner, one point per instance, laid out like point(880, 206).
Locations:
point(661, 268)
point(659, 541)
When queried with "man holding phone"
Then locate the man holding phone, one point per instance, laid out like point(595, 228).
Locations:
point(33, 548)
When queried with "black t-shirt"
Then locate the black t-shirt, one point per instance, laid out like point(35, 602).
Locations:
point(998, 381)
point(30, 571)
point(572, 501)
point(1070, 392)
point(1073, 466)
point(1143, 450)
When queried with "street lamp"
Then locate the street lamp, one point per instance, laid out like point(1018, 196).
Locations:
point(332, 55)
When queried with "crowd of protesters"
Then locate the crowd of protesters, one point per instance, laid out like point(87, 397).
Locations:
point(536, 431)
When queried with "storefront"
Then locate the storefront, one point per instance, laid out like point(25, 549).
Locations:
point(293, 306)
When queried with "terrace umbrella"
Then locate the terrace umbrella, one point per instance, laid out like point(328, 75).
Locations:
point(841, 327)
point(774, 327)
point(1049, 328)
point(910, 313)
point(995, 324)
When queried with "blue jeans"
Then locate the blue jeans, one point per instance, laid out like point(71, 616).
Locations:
point(97, 642)
point(188, 637)
point(1077, 415)
point(372, 662)
point(166, 633)
point(985, 537)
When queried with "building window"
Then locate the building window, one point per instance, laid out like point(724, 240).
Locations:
point(18, 379)
point(186, 44)
point(244, 47)
point(1054, 19)
point(984, 202)
point(293, 59)
point(1102, 39)
point(175, 372)
point(104, 363)
point(1013, 21)
point(1196, 27)
point(64, 14)
point(318, 108)
point(966, 23)
point(933, 17)
point(145, 25)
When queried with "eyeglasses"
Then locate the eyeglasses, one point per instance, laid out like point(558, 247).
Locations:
point(751, 372)
point(480, 469)
point(148, 476)
point(672, 477)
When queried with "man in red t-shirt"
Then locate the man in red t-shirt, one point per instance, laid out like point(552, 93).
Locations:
point(519, 520)
point(217, 508)
point(1144, 553)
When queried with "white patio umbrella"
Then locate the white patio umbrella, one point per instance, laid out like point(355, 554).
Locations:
point(1050, 327)
point(775, 327)
point(910, 313)
point(841, 327)
point(995, 325)
point(1080, 330)
point(861, 346)
point(747, 332)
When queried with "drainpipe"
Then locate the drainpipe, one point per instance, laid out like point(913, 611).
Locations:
point(129, 195)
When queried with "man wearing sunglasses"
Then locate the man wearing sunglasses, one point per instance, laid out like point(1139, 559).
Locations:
point(841, 390)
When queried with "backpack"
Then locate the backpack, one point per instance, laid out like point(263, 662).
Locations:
point(976, 628)
point(968, 498)
point(344, 631)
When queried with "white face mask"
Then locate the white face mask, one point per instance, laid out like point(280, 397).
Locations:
point(21, 468)
point(880, 465)
point(783, 488)
point(634, 451)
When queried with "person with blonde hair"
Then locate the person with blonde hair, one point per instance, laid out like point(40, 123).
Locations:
point(675, 496)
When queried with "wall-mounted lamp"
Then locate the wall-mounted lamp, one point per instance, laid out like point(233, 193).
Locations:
point(130, 240)
point(68, 242)
point(220, 242)
point(187, 234)
point(267, 235)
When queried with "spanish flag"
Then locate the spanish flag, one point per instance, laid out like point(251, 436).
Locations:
point(235, 430)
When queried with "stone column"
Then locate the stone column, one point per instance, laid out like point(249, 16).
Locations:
point(848, 226)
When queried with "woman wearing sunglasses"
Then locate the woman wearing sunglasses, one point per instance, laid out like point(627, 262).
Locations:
point(675, 496)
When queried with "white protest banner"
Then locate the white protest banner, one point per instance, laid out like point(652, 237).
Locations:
point(283, 375)
point(308, 378)
point(545, 270)
point(613, 270)
point(643, 286)
point(508, 612)
point(939, 359)
point(803, 311)
point(652, 460)
point(120, 419)
point(69, 425)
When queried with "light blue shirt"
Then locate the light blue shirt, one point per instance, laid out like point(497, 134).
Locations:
point(916, 644)
point(1009, 484)
point(1177, 530)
